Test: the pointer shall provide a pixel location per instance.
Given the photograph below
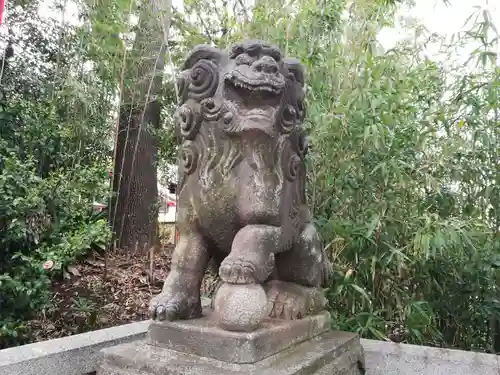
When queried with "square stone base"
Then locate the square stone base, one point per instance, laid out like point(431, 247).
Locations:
point(202, 337)
point(332, 353)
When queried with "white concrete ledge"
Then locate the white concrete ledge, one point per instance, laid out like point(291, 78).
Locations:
point(71, 355)
point(387, 358)
point(80, 354)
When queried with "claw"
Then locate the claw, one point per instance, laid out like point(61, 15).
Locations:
point(165, 307)
point(237, 271)
point(160, 313)
point(247, 274)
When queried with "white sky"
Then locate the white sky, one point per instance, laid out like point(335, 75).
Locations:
point(444, 20)
point(438, 17)
point(433, 14)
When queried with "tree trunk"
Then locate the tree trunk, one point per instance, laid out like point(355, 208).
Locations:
point(134, 209)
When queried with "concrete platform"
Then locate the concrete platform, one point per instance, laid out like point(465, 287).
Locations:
point(332, 353)
point(81, 355)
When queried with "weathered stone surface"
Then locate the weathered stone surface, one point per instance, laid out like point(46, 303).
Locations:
point(388, 358)
point(240, 307)
point(242, 199)
point(332, 353)
point(204, 338)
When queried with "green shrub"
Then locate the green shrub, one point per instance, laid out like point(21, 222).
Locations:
point(54, 157)
point(39, 224)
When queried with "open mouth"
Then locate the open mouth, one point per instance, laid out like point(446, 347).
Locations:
point(262, 114)
point(243, 77)
point(260, 120)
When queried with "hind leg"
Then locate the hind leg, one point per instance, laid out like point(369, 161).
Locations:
point(300, 274)
point(306, 263)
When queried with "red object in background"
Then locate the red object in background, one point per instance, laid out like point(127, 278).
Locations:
point(2, 5)
point(170, 204)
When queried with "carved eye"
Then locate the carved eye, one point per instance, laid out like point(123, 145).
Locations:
point(254, 49)
point(289, 118)
point(275, 54)
point(244, 59)
point(236, 51)
point(289, 114)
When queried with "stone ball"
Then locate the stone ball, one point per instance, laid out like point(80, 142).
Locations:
point(240, 307)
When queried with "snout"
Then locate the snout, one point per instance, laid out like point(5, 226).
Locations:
point(265, 64)
point(262, 74)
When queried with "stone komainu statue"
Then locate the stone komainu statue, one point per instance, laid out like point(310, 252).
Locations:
point(242, 201)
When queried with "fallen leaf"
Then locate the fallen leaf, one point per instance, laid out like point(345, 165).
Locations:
point(74, 271)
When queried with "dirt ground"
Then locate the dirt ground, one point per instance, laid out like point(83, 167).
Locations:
point(102, 292)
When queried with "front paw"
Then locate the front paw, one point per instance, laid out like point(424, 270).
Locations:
point(170, 306)
point(235, 270)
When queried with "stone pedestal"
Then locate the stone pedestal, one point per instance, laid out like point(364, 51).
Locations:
point(196, 347)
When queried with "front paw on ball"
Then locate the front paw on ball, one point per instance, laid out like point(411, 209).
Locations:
point(235, 270)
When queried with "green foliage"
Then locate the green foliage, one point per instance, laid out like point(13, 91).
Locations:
point(404, 166)
point(54, 153)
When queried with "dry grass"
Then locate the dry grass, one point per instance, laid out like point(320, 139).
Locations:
point(100, 294)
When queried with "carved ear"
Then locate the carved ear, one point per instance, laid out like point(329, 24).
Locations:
point(297, 69)
point(202, 52)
